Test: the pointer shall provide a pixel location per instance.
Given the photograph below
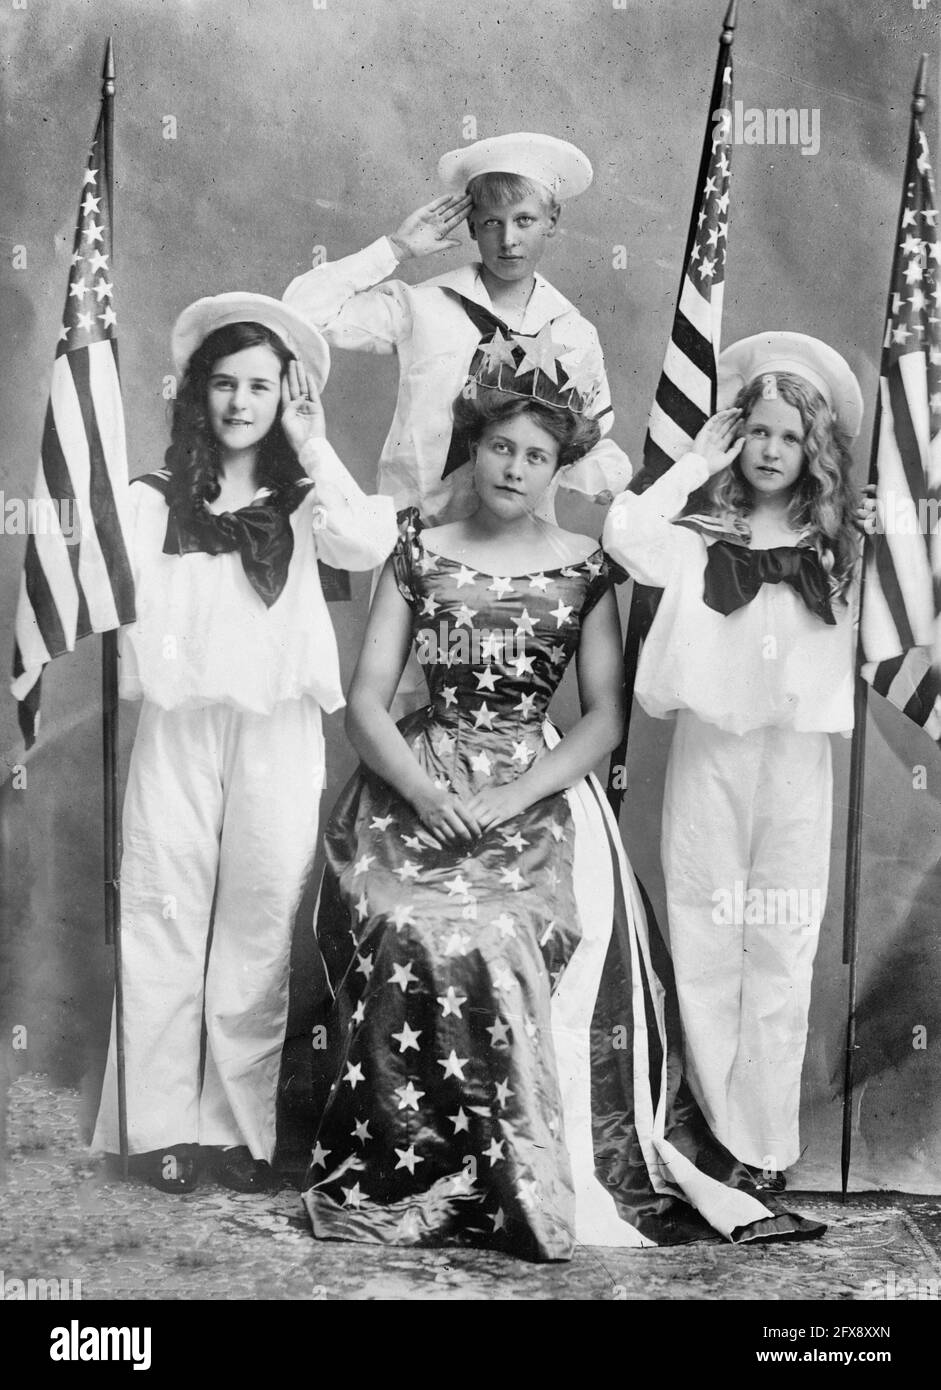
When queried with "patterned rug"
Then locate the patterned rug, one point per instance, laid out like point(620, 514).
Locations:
point(63, 1217)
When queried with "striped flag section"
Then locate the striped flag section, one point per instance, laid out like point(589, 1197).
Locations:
point(686, 392)
point(900, 625)
point(76, 577)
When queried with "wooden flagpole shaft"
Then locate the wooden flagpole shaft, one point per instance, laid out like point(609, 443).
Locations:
point(109, 708)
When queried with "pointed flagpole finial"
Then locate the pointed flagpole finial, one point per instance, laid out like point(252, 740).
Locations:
point(107, 71)
point(728, 24)
point(920, 90)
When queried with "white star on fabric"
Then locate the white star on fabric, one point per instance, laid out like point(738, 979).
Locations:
point(464, 617)
point(430, 606)
point(402, 916)
point(523, 664)
point(63, 335)
point(457, 886)
point(556, 655)
point(451, 1002)
point(540, 582)
point(407, 870)
point(503, 1093)
point(360, 1131)
point(524, 624)
point(512, 878)
point(500, 587)
point(449, 695)
point(499, 1219)
point(491, 646)
point(503, 979)
point(443, 746)
point(557, 831)
point(362, 864)
point(480, 762)
point(362, 907)
point(364, 966)
point(514, 841)
point(569, 572)
point(525, 706)
point(359, 1013)
point(319, 1156)
point(354, 1196)
point(91, 176)
point(102, 288)
point(408, 1159)
point(94, 231)
point(529, 1192)
point(483, 718)
point(84, 321)
point(354, 1074)
point(407, 1038)
point(453, 1065)
point(594, 568)
point(413, 842)
point(98, 262)
point(499, 1032)
point(78, 289)
point(561, 613)
point(494, 1151)
point(380, 822)
point(521, 752)
point(461, 1183)
point(464, 577)
point(539, 353)
point(408, 1096)
point(504, 924)
point(460, 1121)
point(403, 977)
point(485, 680)
point(426, 563)
point(457, 944)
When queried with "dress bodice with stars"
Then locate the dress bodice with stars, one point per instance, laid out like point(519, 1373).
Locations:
point(494, 649)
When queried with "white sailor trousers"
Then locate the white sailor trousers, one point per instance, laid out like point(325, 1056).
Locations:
point(220, 829)
point(746, 854)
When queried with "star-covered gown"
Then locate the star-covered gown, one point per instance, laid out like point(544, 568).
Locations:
point(510, 1069)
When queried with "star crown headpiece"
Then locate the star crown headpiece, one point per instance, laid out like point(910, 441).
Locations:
point(531, 367)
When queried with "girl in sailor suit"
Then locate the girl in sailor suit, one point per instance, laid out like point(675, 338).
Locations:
point(753, 538)
point(233, 655)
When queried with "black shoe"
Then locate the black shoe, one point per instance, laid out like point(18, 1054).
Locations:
point(236, 1169)
point(172, 1169)
point(767, 1179)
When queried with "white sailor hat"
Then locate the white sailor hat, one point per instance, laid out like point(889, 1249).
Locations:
point(559, 166)
point(203, 317)
point(805, 357)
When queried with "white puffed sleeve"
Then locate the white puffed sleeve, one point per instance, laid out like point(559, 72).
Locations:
point(638, 532)
point(352, 530)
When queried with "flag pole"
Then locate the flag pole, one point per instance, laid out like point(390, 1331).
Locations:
point(643, 601)
point(109, 704)
point(858, 753)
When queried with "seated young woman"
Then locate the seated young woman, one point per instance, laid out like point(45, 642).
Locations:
point(510, 1069)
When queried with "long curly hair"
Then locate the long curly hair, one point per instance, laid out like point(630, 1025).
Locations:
point(823, 501)
point(574, 434)
point(193, 457)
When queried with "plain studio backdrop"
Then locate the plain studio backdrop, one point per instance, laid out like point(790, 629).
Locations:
point(247, 136)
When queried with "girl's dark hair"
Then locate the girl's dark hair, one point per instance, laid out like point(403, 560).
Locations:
point(193, 454)
point(823, 501)
point(574, 434)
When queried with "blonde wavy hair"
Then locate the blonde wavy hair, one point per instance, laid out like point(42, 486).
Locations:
point(824, 500)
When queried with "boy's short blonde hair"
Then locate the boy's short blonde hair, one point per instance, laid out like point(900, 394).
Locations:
point(499, 190)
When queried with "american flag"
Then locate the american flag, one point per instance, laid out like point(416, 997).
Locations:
point(76, 577)
point(901, 628)
point(686, 392)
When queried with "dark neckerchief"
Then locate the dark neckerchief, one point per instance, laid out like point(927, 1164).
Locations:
point(487, 323)
point(260, 532)
point(734, 574)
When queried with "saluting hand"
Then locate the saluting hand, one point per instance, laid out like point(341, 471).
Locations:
point(716, 441)
point(429, 229)
point(302, 416)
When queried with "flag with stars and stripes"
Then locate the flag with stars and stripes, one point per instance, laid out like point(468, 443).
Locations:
point(76, 577)
point(900, 625)
point(686, 392)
